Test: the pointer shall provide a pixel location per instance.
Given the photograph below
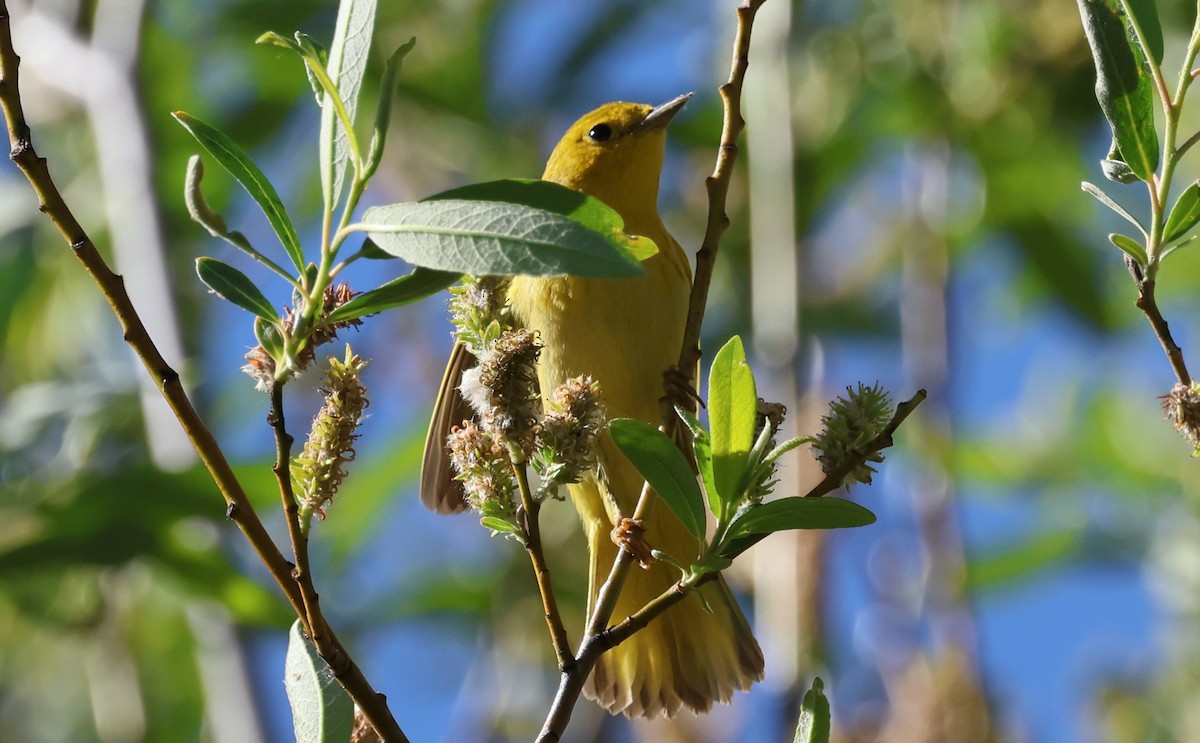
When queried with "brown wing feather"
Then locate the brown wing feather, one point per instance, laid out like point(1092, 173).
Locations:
point(439, 490)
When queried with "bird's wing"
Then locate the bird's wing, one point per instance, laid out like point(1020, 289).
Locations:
point(439, 490)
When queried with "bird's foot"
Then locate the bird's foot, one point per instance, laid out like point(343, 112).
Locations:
point(677, 384)
point(630, 535)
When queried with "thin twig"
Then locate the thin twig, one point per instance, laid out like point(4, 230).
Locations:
point(1149, 306)
point(530, 524)
point(111, 285)
point(834, 479)
point(291, 511)
point(717, 185)
point(316, 626)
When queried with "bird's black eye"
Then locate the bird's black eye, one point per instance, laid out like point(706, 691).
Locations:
point(600, 133)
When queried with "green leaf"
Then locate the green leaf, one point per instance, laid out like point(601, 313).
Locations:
point(312, 47)
point(711, 564)
point(732, 416)
point(1116, 169)
point(322, 712)
point(1170, 248)
point(801, 513)
point(268, 337)
point(383, 111)
point(666, 469)
point(347, 63)
point(421, 283)
point(501, 526)
point(1184, 215)
point(1146, 14)
point(578, 207)
point(1094, 191)
point(231, 284)
point(1130, 247)
point(493, 238)
point(814, 725)
point(242, 168)
point(371, 251)
point(702, 448)
point(1123, 85)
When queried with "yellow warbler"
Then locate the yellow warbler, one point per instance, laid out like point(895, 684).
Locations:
point(624, 333)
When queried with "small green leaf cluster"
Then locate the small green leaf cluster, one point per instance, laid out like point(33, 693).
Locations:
point(736, 458)
point(1126, 40)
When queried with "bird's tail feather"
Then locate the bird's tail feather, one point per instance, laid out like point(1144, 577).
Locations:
point(686, 657)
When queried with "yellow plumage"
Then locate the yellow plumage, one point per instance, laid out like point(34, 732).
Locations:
point(625, 333)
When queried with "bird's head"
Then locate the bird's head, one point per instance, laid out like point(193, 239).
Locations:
point(615, 153)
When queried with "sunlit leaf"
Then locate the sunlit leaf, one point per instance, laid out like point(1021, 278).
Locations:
point(732, 416)
point(814, 725)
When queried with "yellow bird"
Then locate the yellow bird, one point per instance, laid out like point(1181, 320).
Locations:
point(624, 333)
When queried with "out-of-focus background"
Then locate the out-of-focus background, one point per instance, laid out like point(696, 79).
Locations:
point(906, 209)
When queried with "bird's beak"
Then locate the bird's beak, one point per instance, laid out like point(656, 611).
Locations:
point(661, 115)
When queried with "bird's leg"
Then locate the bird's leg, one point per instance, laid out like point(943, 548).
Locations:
point(630, 535)
point(679, 390)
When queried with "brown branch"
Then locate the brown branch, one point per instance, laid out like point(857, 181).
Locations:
point(1147, 304)
point(112, 286)
point(531, 526)
point(834, 479)
point(717, 185)
point(372, 704)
